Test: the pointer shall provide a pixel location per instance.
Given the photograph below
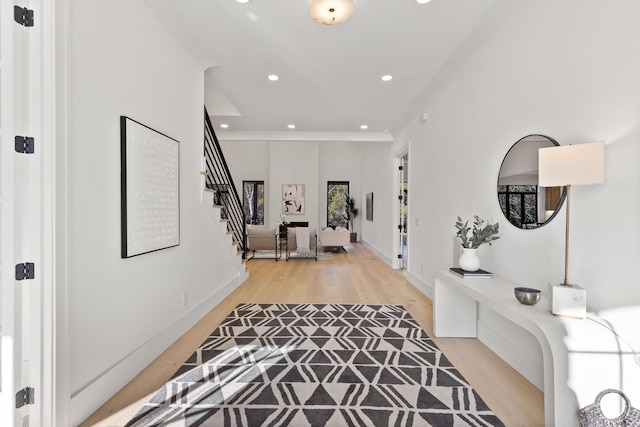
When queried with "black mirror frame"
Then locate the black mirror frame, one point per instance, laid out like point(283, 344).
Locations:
point(562, 197)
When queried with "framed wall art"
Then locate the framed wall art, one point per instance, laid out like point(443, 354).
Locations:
point(369, 206)
point(150, 189)
point(293, 199)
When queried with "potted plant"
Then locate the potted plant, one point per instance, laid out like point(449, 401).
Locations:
point(471, 238)
point(351, 213)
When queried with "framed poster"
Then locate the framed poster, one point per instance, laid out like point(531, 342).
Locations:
point(150, 189)
point(369, 207)
point(293, 199)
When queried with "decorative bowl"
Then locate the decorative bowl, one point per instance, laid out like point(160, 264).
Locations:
point(527, 296)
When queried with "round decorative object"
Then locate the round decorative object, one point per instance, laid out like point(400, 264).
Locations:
point(527, 296)
point(469, 260)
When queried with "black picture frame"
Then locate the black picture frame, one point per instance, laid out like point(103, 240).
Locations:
point(369, 206)
point(150, 189)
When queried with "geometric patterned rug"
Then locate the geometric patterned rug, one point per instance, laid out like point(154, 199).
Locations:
point(317, 365)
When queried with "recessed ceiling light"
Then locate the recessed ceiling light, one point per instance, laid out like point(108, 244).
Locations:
point(247, 1)
point(291, 126)
point(273, 77)
point(419, 1)
point(364, 127)
point(386, 78)
point(224, 125)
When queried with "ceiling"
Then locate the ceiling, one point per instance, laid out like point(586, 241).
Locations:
point(329, 75)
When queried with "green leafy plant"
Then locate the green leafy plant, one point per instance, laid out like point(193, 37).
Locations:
point(351, 211)
point(480, 233)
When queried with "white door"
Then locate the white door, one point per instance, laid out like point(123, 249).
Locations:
point(20, 224)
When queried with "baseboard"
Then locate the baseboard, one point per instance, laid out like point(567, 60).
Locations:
point(420, 284)
point(378, 253)
point(87, 400)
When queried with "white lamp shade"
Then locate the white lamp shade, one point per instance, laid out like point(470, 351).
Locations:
point(331, 11)
point(581, 164)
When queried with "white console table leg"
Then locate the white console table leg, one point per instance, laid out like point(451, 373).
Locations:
point(454, 312)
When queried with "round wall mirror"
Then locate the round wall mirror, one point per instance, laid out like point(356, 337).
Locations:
point(522, 201)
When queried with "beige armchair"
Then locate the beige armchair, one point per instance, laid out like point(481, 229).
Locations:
point(339, 237)
point(263, 239)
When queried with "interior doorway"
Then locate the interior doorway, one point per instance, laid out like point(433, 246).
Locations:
point(400, 211)
point(27, 206)
point(403, 211)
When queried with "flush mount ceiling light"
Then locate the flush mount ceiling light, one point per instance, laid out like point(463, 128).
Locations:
point(331, 12)
point(273, 77)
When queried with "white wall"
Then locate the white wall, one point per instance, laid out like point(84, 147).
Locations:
point(124, 312)
point(300, 162)
point(378, 177)
point(341, 161)
point(294, 163)
point(569, 70)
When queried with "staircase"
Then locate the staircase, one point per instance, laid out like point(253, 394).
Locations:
point(219, 185)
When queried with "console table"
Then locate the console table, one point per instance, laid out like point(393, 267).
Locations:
point(455, 315)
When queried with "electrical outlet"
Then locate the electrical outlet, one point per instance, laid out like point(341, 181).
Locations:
point(185, 298)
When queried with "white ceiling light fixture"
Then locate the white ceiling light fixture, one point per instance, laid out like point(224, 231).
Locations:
point(291, 126)
point(273, 77)
point(331, 12)
point(242, 1)
point(423, 1)
point(363, 127)
point(224, 125)
point(387, 78)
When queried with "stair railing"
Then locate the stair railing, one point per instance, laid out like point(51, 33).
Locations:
point(218, 179)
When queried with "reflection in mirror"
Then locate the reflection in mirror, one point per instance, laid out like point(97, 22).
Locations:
point(522, 202)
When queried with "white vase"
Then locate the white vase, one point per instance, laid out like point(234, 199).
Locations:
point(469, 260)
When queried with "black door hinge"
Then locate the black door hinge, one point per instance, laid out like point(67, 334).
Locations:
point(400, 168)
point(25, 144)
point(23, 16)
point(400, 197)
point(400, 227)
point(26, 396)
point(25, 271)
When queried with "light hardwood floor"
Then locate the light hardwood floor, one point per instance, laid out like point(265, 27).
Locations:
point(354, 277)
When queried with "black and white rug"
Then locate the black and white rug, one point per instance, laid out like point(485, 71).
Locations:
point(317, 365)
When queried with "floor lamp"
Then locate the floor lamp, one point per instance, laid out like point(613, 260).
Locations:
point(570, 165)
